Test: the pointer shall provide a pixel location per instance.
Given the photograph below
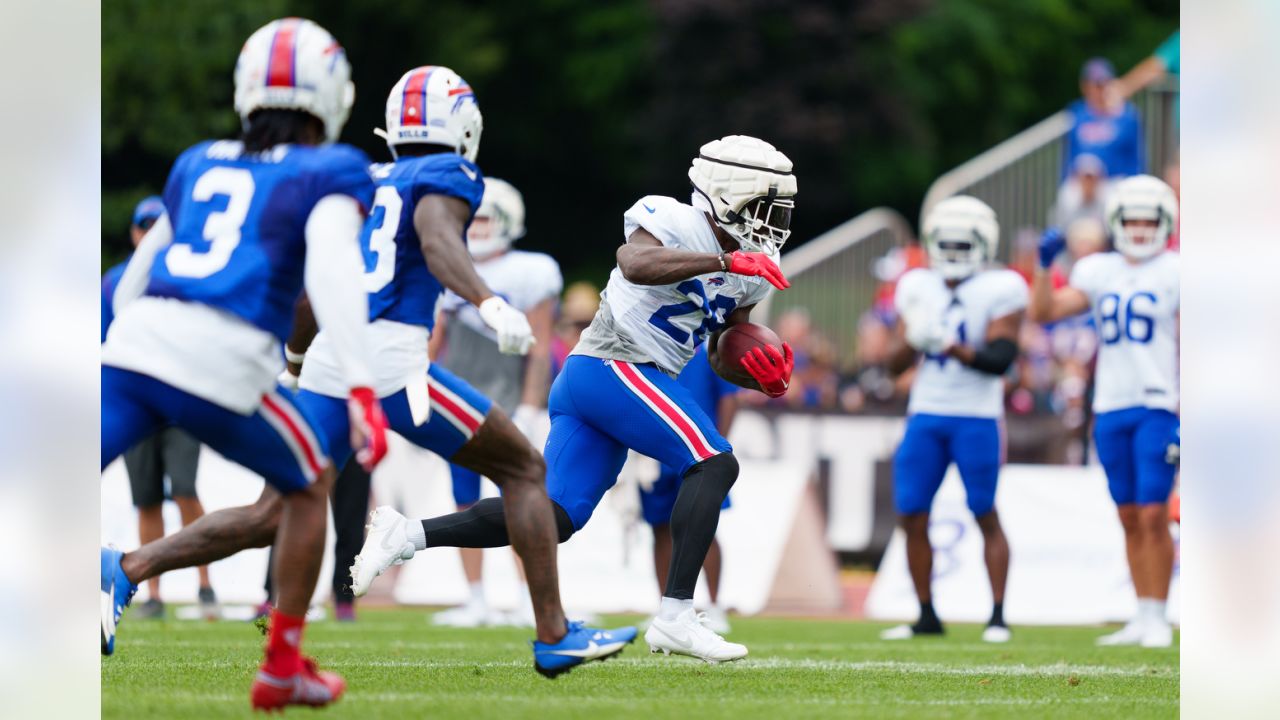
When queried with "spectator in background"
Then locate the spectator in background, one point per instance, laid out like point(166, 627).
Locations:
point(579, 306)
point(1113, 135)
point(1173, 176)
point(872, 386)
point(169, 453)
point(1165, 61)
point(1084, 193)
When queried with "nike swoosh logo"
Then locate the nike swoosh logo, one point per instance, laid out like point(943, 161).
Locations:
point(646, 207)
point(685, 642)
point(386, 542)
point(468, 172)
point(588, 651)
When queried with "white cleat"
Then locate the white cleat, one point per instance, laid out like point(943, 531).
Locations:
point(996, 634)
point(1130, 634)
point(689, 635)
point(717, 621)
point(1157, 635)
point(471, 615)
point(386, 544)
point(898, 632)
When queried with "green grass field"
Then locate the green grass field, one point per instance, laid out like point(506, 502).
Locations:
point(398, 666)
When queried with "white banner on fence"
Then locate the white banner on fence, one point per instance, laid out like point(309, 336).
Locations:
point(1066, 546)
point(607, 567)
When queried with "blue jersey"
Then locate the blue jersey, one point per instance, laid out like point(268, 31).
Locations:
point(110, 279)
point(706, 387)
point(401, 286)
point(238, 225)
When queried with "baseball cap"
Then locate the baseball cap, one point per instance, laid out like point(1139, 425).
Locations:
point(148, 210)
point(1097, 70)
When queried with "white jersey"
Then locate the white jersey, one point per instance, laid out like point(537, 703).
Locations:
point(397, 351)
point(470, 350)
point(944, 385)
point(523, 279)
point(664, 324)
point(1135, 307)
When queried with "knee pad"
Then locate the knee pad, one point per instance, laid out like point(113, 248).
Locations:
point(720, 469)
point(564, 524)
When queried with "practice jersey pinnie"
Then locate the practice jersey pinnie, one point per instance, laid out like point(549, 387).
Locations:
point(400, 285)
point(238, 225)
point(523, 279)
point(943, 385)
point(665, 324)
point(1135, 308)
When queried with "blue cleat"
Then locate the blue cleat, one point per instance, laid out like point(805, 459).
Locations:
point(117, 591)
point(581, 644)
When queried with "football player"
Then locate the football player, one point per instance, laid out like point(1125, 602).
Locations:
point(1134, 297)
point(206, 301)
point(414, 246)
point(468, 347)
point(958, 323)
point(683, 275)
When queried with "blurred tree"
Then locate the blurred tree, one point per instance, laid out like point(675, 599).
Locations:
point(590, 105)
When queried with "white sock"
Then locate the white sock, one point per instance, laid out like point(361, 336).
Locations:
point(416, 535)
point(1156, 611)
point(477, 592)
point(671, 608)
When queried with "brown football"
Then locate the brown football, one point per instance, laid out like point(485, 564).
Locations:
point(738, 340)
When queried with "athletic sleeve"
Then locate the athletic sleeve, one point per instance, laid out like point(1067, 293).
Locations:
point(341, 170)
point(1010, 294)
point(1084, 276)
point(659, 216)
point(451, 175)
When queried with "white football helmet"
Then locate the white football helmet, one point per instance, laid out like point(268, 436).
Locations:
point(748, 188)
point(1141, 197)
point(294, 64)
point(960, 236)
point(503, 207)
point(433, 106)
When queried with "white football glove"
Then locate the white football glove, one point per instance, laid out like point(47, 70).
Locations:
point(288, 380)
point(925, 330)
point(515, 337)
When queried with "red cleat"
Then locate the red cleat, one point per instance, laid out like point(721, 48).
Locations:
point(309, 687)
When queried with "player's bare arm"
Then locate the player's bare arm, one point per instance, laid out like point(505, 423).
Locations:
point(644, 260)
point(537, 371)
point(1049, 305)
point(441, 222)
point(300, 337)
point(1000, 350)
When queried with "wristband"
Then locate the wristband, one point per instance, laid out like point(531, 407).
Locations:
point(724, 265)
point(294, 357)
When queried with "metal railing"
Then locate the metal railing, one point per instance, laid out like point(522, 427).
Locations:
point(1019, 178)
point(832, 278)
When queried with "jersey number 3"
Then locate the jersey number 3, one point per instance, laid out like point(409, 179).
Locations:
point(709, 315)
point(221, 228)
point(380, 255)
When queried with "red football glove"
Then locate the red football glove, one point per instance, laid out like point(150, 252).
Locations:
point(751, 263)
point(368, 427)
point(770, 368)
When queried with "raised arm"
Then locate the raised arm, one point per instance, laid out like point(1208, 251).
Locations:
point(440, 221)
point(1049, 305)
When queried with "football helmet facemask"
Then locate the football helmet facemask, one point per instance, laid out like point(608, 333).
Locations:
point(749, 189)
point(503, 210)
point(960, 236)
point(1141, 197)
